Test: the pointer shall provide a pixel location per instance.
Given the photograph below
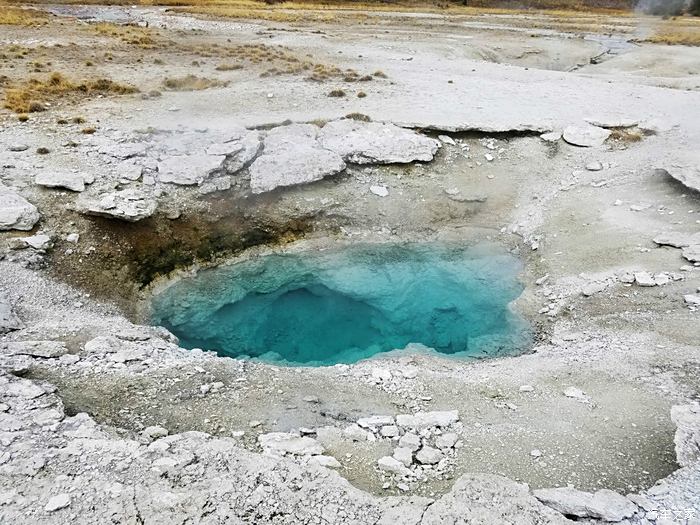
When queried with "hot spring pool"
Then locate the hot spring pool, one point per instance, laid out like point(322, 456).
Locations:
point(343, 305)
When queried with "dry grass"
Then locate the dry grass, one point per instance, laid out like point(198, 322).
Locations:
point(16, 16)
point(133, 35)
point(191, 83)
point(626, 135)
point(34, 94)
point(337, 93)
point(679, 31)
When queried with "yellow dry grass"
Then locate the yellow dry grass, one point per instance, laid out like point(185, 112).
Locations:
point(16, 16)
point(680, 31)
point(33, 95)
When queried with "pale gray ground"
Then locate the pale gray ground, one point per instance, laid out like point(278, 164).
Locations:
point(590, 407)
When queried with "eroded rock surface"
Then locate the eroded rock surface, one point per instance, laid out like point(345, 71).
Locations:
point(686, 174)
point(16, 213)
point(8, 319)
point(603, 504)
point(130, 204)
point(376, 143)
point(687, 439)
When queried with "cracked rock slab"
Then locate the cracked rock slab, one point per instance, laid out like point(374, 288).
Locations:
point(130, 205)
point(187, 170)
point(61, 179)
point(16, 213)
point(292, 155)
point(586, 136)
point(487, 498)
point(604, 504)
point(376, 143)
point(686, 174)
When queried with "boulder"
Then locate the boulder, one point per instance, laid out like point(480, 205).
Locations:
point(376, 143)
point(16, 213)
point(130, 204)
point(292, 155)
point(604, 504)
point(687, 438)
point(586, 136)
point(61, 179)
point(281, 443)
point(8, 319)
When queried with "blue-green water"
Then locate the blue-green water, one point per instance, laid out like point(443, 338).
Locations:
point(340, 306)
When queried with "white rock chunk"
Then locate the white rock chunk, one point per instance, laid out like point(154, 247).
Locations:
point(58, 502)
point(61, 179)
point(281, 443)
point(604, 505)
point(393, 466)
point(677, 239)
point(376, 143)
point(187, 170)
point(379, 191)
point(429, 456)
point(404, 455)
point(292, 155)
point(586, 136)
point(644, 279)
point(686, 174)
point(410, 441)
point(325, 461)
point(577, 394)
point(691, 253)
point(375, 421)
point(422, 420)
point(446, 440)
point(687, 438)
point(131, 204)
point(16, 213)
point(551, 136)
point(38, 242)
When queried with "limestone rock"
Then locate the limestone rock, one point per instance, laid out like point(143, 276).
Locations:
point(603, 504)
point(392, 465)
point(490, 499)
point(429, 456)
point(686, 174)
point(38, 242)
point(375, 421)
point(586, 136)
point(154, 432)
point(16, 213)
point(404, 455)
point(292, 155)
point(130, 204)
point(692, 253)
point(8, 319)
point(281, 443)
point(687, 438)
point(446, 440)
point(379, 191)
point(428, 419)
point(410, 441)
point(45, 349)
point(57, 502)
point(186, 170)
point(677, 239)
point(551, 136)
point(644, 279)
point(376, 143)
point(61, 179)
point(325, 461)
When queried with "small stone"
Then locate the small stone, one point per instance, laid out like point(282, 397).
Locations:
point(692, 299)
point(58, 502)
point(446, 440)
point(392, 465)
point(593, 288)
point(594, 166)
point(154, 432)
point(18, 147)
point(404, 455)
point(535, 453)
point(586, 136)
point(73, 238)
point(488, 157)
point(375, 421)
point(380, 191)
point(410, 441)
point(644, 279)
point(429, 456)
point(577, 394)
point(527, 388)
point(389, 431)
point(325, 461)
point(445, 139)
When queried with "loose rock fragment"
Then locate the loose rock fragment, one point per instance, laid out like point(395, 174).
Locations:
point(8, 319)
point(16, 213)
point(281, 443)
point(604, 504)
point(130, 205)
point(61, 179)
point(586, 136)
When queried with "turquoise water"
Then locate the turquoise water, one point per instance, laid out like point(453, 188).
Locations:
point(340, 306)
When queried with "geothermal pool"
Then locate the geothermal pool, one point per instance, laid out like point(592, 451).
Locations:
point(347, 304)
